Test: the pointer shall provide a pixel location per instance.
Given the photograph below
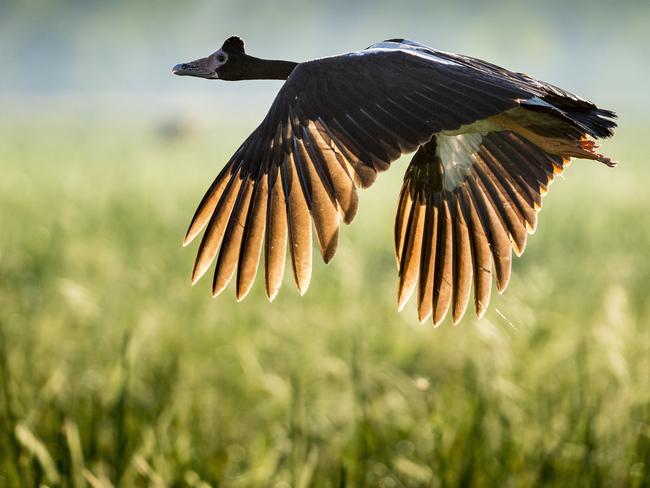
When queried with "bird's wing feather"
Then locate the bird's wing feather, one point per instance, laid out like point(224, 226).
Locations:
point(333, 126)
point(480, 199)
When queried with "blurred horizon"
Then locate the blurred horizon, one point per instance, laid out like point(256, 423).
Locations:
point(112, 58)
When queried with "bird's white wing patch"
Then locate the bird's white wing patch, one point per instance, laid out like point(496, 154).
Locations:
point(457, 154)
point(537, 102)
point(408, 47)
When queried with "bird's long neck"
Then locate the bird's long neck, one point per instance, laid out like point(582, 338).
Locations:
point(266, 69)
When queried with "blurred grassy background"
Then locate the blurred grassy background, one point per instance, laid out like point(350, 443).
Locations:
point(114, 371)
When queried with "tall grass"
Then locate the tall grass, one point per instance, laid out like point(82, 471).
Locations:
point(114, 371)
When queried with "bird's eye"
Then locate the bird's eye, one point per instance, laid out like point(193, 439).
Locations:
point(221, 59)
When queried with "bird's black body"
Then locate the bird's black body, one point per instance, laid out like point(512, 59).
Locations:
point(488, 142)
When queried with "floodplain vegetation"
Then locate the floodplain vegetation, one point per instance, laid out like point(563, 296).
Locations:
point(114, 371)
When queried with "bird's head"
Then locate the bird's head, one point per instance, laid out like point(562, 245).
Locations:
point(224, 64)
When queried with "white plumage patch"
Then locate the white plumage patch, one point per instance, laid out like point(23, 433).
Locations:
point(537, 101)
point(408, 47)
point(457, 154)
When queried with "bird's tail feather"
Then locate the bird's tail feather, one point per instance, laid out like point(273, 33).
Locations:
point(583, 116)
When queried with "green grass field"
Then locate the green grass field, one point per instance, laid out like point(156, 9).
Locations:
point(114, 371)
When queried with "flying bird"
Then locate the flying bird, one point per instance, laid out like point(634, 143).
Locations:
point(487, 141)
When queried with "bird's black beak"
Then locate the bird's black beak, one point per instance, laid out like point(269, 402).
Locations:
point(201, 68)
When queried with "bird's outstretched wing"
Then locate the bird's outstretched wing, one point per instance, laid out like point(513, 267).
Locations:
point(454, 228)
point(470, 198)
point(333, 126)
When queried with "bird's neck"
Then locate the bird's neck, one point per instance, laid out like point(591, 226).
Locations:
point(266, 69)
